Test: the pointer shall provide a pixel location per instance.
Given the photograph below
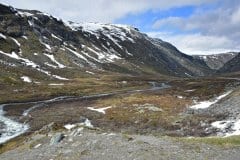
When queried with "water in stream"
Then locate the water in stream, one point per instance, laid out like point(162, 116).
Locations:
point(10, 128)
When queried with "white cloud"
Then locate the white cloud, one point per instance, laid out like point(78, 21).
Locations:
point(236, 17)
point(99, 10)
point(193, 44)
point(215, 30)
point(215, 22)
point(169, 21)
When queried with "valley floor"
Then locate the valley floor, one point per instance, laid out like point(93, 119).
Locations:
point(131, 118)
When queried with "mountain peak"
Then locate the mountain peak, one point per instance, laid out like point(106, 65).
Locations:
point(6, 9)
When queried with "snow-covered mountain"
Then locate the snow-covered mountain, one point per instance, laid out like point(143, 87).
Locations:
point(32, 41)
point(232, 65)
point(217, 61)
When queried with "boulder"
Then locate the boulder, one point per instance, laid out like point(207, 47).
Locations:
point(58, 137)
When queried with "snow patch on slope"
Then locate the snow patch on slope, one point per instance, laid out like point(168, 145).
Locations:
point(116, 33)
point(77, 54)
point(48, 47)
point(227, 128)
point(26, 79)
point(27, 62)
point(3, 36)
point(16, 42)
point(101, 110)
point(56, 84)
point(24, 14)
point(104, 56)
point(25, 37)
point(30, 23)
point(89, 72)
point(56, 37)
point(206, 104)
point(54, 60)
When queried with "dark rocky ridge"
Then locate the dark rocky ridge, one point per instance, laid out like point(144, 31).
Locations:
point(231, 66)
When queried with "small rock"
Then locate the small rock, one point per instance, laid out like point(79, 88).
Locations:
point(48, 128)
point(57, 138)
point(130, 139)
point(76, 132)
point(37, 146)
point(82, 119)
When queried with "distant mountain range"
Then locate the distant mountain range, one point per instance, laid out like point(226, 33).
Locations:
point(217, 61)
point(232, 65)
point(32, 41)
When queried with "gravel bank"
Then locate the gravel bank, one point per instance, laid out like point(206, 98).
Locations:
point(88, 144)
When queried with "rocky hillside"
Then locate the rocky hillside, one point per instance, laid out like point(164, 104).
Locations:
point(32, 41)
point(216, 61)
point(231, 66)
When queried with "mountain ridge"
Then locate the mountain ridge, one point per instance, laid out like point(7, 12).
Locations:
point(44, 43)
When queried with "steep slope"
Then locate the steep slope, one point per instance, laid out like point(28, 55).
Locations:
point(216, 61)
point(231, 66)
point(35, 41)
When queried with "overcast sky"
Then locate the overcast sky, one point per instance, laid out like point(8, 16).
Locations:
point(194, 26)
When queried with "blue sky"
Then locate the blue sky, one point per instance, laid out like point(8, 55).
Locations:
point(193, 26)
point(145, 20)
